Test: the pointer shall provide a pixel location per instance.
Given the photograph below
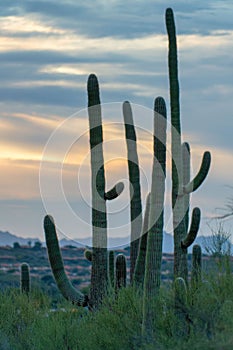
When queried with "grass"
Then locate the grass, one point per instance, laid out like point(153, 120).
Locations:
point(29, 323)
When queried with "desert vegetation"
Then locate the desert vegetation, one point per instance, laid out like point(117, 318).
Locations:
point(193, 309)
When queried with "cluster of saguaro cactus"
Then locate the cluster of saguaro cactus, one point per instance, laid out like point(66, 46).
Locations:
point(146, 237)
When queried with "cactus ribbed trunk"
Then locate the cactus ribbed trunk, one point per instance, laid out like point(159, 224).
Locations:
point(135, 189)
point(99, 273)
point(156, 218)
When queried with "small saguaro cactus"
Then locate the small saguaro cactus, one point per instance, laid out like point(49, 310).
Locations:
point(196, 274)
point(111, 267)
point(120, 272)
point(25, 278)
point(179, 188)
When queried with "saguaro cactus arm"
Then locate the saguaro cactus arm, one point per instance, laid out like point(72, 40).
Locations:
point(57, 266)
point(194, 227)
point(201, 175)
point(115, 191)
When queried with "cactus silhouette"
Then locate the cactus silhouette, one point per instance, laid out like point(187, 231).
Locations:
point(179, 189)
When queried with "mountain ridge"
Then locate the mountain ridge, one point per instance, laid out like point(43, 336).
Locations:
point(8, 239)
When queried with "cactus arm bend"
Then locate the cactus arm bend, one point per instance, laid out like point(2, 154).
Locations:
point(115, 191)
point(57, 266)
point(135, 189)
point(201, 175)
point(88, 254)
point(194, 227)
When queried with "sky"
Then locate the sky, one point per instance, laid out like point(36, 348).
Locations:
point(47, 51)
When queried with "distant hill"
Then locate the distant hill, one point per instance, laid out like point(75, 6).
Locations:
point(7, 238)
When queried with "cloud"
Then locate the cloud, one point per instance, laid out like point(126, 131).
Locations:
point(47, 50)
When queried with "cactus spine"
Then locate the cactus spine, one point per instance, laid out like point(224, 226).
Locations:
point(25, 278)
point(135, 189)
point(156, 217)
point(179, 189)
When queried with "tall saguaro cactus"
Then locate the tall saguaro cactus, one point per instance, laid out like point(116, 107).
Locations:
point(156, 217)
point(135, 189)
point(180, 189)
point(99, 272)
